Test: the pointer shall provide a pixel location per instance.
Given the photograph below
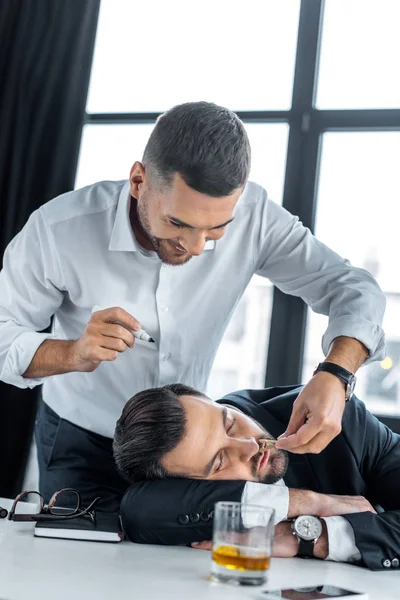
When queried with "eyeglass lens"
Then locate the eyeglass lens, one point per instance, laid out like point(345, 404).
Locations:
point(64, 502)
point(29, 503)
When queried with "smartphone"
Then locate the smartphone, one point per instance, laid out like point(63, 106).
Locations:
point(313, 593)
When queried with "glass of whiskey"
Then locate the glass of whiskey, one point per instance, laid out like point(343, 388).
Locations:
point(242, 543)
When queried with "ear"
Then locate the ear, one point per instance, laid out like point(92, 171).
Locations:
point(136, 179)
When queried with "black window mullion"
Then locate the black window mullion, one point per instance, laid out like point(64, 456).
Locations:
point(288, 321)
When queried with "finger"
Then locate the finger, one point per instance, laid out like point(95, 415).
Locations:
point(205, 545)
point(304, 435)
point(116, 313)
point(107, 355)
point(316, 445)
point(111, 343)
point(118, 332)
point(297, 419)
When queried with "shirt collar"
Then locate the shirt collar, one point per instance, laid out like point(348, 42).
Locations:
point(122, 236)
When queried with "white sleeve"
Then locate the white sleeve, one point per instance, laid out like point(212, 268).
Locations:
point(270, 496)
point(300, 265)
point(342, 543)
point(30, 293)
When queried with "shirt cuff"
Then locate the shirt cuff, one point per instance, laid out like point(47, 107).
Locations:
point(19, 357)
point(372, 336)
point(270, 496)
point(341, 539)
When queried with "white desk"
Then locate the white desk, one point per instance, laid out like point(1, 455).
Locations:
point(38, 569)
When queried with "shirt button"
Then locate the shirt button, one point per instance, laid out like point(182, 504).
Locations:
point(386, 563)
point(165, 308)
point(395, 562)
point(167, 356)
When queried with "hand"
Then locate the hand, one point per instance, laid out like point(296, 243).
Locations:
point(103, 339)
point(316, 417)
point(285, 544)
point(205, 545)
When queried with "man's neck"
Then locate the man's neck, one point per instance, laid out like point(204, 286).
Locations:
point(137, 228)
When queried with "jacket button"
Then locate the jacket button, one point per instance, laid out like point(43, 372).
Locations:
point(386, 563)
point(184, 520)
point(395, 562)
point(195, 517)
point(204, 516)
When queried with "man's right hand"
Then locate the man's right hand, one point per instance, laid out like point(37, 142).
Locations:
point(103, 339)
point(303, 502)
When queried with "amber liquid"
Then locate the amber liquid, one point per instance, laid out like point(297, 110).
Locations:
point(232, 557)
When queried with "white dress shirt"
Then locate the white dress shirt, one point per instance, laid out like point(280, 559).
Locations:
point(341, 539)
point(78, 251)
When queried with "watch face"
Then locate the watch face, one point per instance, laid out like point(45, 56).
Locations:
point(308, 527)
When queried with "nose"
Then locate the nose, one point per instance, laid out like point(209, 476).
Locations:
point(194, 243)
point(245, 447)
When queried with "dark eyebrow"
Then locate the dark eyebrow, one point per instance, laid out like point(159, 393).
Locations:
point(183, 224)
point(209, 466)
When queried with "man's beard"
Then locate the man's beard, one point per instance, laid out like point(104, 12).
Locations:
point(278, 464)
point(160, 245)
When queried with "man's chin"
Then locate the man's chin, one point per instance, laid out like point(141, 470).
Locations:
point(276, 469)
point(169, 257)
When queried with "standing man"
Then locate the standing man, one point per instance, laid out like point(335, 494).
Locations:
point(171, 250)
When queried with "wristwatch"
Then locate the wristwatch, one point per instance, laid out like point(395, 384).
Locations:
point(307, 529)
point(348, 378)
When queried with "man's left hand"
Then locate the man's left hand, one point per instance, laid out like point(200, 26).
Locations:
point(316, 417)
point(285, 543)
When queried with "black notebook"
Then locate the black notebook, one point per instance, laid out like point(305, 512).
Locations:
point(107, 528)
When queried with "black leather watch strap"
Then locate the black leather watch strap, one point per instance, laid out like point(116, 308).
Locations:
point(306, 549)
point(334, 369)
point(348, 378)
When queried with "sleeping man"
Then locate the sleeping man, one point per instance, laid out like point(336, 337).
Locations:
point(183, 452)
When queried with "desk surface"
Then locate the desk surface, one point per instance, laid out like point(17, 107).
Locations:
point(38, 568)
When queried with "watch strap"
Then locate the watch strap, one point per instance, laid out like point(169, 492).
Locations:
point(306, 548)
point(343, 374)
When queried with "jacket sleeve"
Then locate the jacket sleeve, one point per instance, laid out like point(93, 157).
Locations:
point(377, 448)
point(174, 511)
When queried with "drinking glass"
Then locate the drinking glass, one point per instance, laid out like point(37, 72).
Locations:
point(242, 543)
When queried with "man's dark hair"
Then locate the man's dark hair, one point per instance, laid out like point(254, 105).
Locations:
point(152, 423)
point(205, 143)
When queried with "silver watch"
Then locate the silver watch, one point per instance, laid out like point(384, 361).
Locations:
point(307, 529)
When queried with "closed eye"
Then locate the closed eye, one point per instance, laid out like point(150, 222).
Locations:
point(221, 456)
point(231, 426)
point(221, 463)
point(176, 225)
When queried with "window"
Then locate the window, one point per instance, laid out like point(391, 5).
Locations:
point(360, 55)
point(152, 55)
point(358, 213)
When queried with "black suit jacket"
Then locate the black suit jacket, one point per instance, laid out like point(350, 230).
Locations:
point(364, 460)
